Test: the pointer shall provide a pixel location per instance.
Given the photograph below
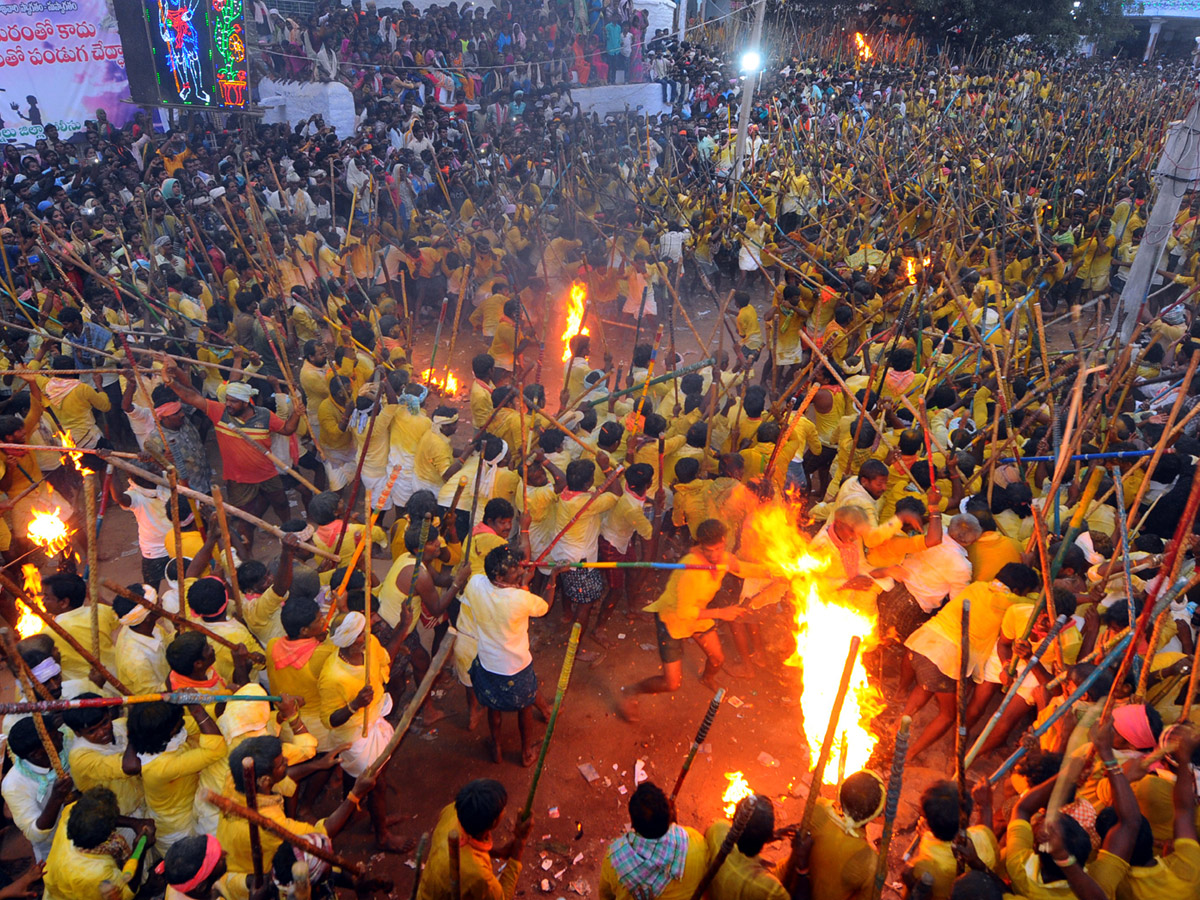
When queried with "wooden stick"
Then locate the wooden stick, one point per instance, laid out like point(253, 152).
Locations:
point(564, 678)
point(452, 855)
point(741, 818)
point(91, 659)
point(178, 698)
point(30, 687)
point(410, 711)
point(229, 508)
point(50, 448)
point(698, 740)
point(234, 590)
point(818, 774)
point(233, 808)
point(93, 557)
point(368, 518)
point(250, 783)
point(891, 805)
point(177, 530)
point(279, 463)
point(178, 619)
point(960, 734)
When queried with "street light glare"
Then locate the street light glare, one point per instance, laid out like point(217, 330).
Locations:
point(751, 61)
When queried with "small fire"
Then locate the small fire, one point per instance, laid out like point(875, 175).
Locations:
point(737, 790)
point(910, 268)
point(825, 624)
point(448, 385)
point(575, 308)
point(48, 530)
point(66, 440)
point(864, 49)
point(28, 623)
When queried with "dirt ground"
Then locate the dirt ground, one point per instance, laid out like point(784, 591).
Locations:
point(758, 731)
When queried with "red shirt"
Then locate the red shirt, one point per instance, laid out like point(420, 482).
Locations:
point(242, 462)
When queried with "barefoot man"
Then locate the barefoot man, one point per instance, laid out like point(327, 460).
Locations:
point(682, 611)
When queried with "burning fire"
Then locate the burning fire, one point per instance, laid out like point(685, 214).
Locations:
point(28, 623)
point(825, 625)
point(910, 268)
point(738, 789)
point(860, 42)
point(66, 440)
point(448, 386)
point(575, 307)
point(49, 531)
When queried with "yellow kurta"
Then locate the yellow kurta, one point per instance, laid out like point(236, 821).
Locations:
point(74, 874)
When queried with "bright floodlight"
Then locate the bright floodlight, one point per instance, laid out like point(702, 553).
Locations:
point(751, 61)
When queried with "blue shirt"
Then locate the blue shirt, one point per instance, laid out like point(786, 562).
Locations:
point(612, 38)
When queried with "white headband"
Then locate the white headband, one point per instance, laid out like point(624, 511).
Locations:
point(347, 633)
point(45, 670)
point(138, 614)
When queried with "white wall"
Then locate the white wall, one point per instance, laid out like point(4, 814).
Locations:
point(611, 98)
point(294, 102)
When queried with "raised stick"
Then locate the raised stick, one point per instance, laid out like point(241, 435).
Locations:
point(564, 678)
point(234, 590)
point(818, 775)
point(93, 557)
point(741, 818)
point(960, 733)
point(179, 698)
point(895, 783)
point(249, 782)
point(698, 740)
point(177, 530)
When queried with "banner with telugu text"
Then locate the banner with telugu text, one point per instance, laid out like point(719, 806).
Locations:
point(60, 61)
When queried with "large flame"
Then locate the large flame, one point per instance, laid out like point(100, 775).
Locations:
point(910, 269)
point(576, 304)
point(825, 624)
point(860, 42)
point(28, 623)
point(66, 440)
point(48, 530)
point(447, 385)
point(737, 789)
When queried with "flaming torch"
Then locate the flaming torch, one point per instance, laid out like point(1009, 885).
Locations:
point(27, 622)
point(861, 45)
point(576, 309)
point(48, 530)
point(67, 441)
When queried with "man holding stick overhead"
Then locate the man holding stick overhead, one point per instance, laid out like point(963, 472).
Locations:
point(252, 480)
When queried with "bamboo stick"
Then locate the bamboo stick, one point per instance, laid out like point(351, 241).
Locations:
point(818, 773)
point(176, 618)
point(701, 735)
point(235, 590)
point(891, 806)
point(564, 678)
point(30, 687)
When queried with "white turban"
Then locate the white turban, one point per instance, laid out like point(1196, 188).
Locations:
point(239, 390)
point(347, 632)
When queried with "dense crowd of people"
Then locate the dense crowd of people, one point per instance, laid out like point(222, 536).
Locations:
point(250, 334)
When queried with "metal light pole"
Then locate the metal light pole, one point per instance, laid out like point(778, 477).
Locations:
point(751, 64)
point(1178, 172)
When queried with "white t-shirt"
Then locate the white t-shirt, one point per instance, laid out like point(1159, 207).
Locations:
point(501, 616)
point(149, 507)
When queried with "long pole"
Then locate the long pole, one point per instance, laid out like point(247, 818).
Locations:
point(745, 809)
point(960, 734)
point(250, 783)
point(698, 740)
point(564, 678)
point(616, 473)
point(818, 775)
point(177, 531)
point(235, 590)
point(93, 557)
point(91, 659)
point(891, 806)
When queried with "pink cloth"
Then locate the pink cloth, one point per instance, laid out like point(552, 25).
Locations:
point(1132, 723)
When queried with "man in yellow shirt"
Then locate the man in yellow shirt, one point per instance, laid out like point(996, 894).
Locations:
point(656, 859)
point(481, 389)
point(85, 854)
point(270, 768)
point(682, 611)
point(841, 863)
point(474, 816)
point(63, 597)
point(171, 767)
point(744, 875)
point(333, 435)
